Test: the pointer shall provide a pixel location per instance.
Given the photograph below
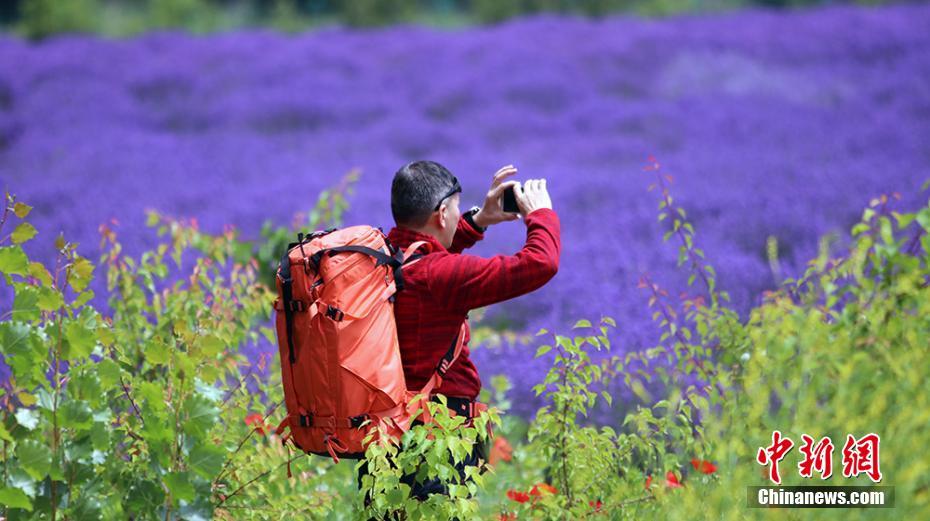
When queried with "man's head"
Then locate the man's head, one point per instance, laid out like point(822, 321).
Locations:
point(425, 197)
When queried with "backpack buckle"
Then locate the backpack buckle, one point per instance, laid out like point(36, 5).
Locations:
point(334, 313)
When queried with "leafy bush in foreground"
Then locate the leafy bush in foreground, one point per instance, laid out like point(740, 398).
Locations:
point(140, 413)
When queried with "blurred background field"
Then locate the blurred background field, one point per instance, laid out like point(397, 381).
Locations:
point(39, 18)
point(778, 125)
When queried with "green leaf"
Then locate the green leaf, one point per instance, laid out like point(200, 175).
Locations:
point(212, 345)
point(582, 323)
point(77, 415)
point(23, 233)
point(640, 391)
point(207, 460)
point(543, 350)
point(146, 496)
point(15, 498)
point(28, 418)
point(180, 485)
point(82, 299)
point(4, 434)
point(156, 352)
point(13, 338)
point(26, 302)
point(49, 299)
point(39, 271)
point(81, 274)
point(395, 496)
point(923, 218)
point(108, 372)
point(209, 392)
point(21, 210)
point(13, 260)
point(904, 220)
point(269, 334)
point(201, 415)
point(34, 458)
point(100, 436)
point(81, 340)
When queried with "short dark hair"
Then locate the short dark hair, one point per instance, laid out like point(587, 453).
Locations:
point(417, 189)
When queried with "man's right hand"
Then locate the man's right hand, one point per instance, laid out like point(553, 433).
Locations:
point(532, 195)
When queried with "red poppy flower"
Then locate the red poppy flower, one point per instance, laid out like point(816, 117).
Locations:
point(537, 490)
point(519, 497)
point(671, 480)
point(596, 505)
point(648, 481)
point(257, 420)
point(500, 451)
point(703, 466)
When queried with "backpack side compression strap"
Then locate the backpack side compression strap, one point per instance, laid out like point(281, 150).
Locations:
point(287, 297)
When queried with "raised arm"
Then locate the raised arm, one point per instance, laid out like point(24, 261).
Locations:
point(465, 282)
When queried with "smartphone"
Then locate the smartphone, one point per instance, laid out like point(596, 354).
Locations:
point(509, 202)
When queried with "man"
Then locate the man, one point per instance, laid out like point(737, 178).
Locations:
point(443, 285)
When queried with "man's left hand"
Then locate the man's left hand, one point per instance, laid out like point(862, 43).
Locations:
point(492, 212)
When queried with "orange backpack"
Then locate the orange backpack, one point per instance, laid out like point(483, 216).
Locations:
point(340, 358)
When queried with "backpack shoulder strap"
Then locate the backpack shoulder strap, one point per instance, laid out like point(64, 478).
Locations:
point(406, 258)
point(410, 252)
point(452, 354)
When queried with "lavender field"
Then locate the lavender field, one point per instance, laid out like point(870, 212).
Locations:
point(772, 124)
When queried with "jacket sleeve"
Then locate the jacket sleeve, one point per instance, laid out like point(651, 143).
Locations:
point(465, 236)
point(465, 282)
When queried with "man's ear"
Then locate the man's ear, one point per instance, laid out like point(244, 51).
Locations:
point(441, 215)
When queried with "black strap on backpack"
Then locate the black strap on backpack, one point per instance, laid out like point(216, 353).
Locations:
point(394, 261)
point(447, 359)
point(287, 298)
point(287, 289)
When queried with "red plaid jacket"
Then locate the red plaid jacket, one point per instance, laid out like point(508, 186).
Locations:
point(444, 285)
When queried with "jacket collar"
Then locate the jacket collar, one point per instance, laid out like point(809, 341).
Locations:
point(402, 237)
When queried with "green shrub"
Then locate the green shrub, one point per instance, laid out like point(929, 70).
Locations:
point(42, 18)
point(364, 13)
point(490, 11)
point(142, 413)
point(195, 15)
point(425, 451)
point(841, 351)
